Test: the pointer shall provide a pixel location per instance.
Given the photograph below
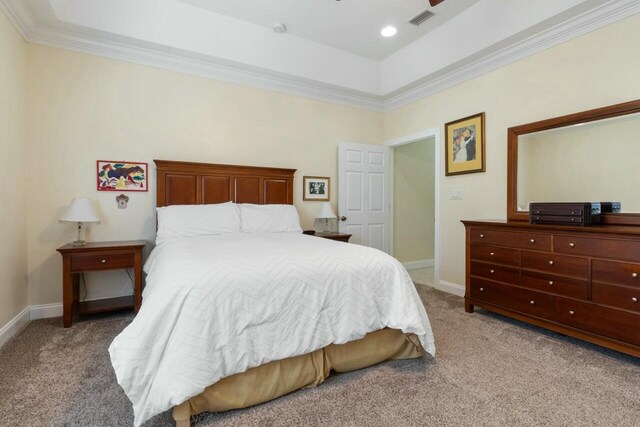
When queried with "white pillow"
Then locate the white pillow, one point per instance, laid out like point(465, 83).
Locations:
point(269, 218)
point(197, 220)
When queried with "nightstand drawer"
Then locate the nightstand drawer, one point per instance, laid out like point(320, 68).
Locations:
point(101, 262)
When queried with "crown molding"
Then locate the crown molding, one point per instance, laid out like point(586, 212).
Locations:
point(560, 33)
point(242, 74)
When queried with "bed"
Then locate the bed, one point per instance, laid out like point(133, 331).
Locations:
point(251, 309)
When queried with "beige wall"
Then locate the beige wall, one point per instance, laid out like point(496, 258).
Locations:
point(13, 248)
point(84, 108)
point(413, 201)
point(551, 164)
point(598, 69)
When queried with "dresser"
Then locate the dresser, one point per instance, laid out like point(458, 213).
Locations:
point(579, 281)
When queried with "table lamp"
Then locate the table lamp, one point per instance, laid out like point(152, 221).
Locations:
point(80, 211)
point(326, 212)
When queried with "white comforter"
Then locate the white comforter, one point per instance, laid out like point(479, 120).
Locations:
point(219, 305)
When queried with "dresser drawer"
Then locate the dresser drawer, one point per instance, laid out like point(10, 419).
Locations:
point(567, 286)
point(495, 272)
point(609, 322)
point(615, 272)
point(101, 262)
point(538, 241)
point(496, 255)
point(628, 250)
point(616, 296)
point(522, 300)
point(557, 264)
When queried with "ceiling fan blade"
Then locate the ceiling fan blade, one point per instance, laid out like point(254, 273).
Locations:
point(435, 2)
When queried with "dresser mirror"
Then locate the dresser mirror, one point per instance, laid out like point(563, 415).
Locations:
point(593, 156)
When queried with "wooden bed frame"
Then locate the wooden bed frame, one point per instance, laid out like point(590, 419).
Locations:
point(185, 183)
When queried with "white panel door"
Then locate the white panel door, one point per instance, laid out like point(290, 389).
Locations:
point(363, 194)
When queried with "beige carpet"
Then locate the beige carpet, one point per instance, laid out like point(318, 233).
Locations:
point(489, 371)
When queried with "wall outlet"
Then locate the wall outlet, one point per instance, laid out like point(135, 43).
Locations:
point(456, 195)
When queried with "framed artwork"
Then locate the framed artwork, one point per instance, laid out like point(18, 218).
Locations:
point(465, 145)
point(122, 176)
point(316, 188)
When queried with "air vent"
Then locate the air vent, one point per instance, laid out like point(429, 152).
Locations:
point(421, 17)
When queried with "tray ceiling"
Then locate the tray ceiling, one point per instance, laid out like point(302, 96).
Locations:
point(332, 49)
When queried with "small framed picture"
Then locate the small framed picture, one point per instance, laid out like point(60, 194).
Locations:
point(316, 188)
point(122, 176)
point(465, 145)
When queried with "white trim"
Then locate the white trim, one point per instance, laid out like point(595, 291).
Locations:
point(408, 139)
point(574, 27)
point(14, 326)
point(417, 265)
point(579, 25)
point(450, 288)
point(46, 311)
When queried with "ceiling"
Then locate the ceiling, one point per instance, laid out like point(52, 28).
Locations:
point(350, 25)
point(332, 50)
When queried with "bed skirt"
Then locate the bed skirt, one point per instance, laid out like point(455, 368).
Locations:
point(280, 377)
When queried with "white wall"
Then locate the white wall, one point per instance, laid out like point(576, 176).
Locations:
point(595, 70)
point(15, 169)
point(413, 201)
point(83, 108)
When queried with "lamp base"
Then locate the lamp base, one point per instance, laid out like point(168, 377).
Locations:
point(78, 243)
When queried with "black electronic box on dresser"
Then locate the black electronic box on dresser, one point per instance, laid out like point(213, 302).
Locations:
point(570, 267)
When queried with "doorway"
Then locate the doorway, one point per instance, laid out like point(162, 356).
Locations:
point(414, 205)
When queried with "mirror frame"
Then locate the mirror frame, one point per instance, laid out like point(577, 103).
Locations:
point(513, 214)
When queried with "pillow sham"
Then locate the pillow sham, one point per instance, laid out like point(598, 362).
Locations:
point(197, 220)
point(269, 218)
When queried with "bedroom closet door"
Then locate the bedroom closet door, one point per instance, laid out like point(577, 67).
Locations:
point(363, 194)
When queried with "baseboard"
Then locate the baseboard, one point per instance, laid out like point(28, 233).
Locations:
point(14, 326)
point(45, 311)
point(416, 265)
point(451, 288)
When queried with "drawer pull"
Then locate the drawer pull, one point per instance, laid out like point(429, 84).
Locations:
point(571, 312)
point(551, 262)
point(482, 236)
point(634, 299)
point(532, 302)
point(573, 245)
point(492, 271)
point(532, 240)
point(481, 289)
point(634, 275)
point(491, 254)
point(104, 261)
point(551, 282)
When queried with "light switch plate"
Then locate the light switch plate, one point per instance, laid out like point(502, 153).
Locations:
point(456, 195)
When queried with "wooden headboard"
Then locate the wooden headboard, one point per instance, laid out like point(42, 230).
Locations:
point(185, 183)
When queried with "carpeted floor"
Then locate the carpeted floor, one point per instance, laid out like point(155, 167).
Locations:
point(489, 371)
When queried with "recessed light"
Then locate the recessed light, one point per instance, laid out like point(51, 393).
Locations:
point(388, 31)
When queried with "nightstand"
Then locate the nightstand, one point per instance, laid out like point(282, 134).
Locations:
point(99, 256)
point(340, 237)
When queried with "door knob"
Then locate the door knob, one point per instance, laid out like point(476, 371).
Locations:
point(343, 218)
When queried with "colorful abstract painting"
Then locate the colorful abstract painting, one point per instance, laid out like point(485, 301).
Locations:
point(122, 176)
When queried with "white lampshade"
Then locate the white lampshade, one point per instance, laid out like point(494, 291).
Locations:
point(326, 211)
point(81, 210)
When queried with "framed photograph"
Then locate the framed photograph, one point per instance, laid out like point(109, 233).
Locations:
point(122, 176)
point(465, 145)
point(316, 188)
